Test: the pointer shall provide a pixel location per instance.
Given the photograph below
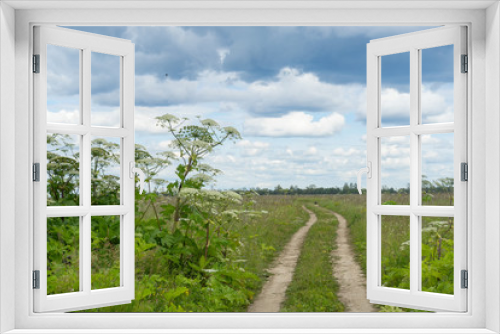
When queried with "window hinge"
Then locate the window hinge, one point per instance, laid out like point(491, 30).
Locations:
point(465, 64)
point(36, 279)
point(465, 279)
point(36, 63)
point(464, 172)
point(36, 172)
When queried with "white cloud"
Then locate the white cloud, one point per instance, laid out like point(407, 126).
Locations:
point(312, 151)
point(223, 54)
point(429, 139)
point(163, 145)
point(341, 151)
point(289, 90)
point(394, 104)
point(106, 118)
point(63, 116)
point(109, 118)
point(295, 124)
point(436, 105)
point(252, 148)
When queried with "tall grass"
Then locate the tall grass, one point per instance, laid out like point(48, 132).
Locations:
point(159, 288)
point(264, 238)
point(437, 236)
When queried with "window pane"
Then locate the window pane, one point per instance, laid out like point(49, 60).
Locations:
point(105, 90)
point(437, 85)
point(63, 260)
point(437, 169)
point(395, 241)
point(437, 254)
point(63, 85)
point(105, 252)
point(395, 170)
point(63, 169)
point(395, 92)
point(105, 170)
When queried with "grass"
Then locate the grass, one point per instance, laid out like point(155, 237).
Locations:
point(314, 288)
point(353, 208)
point(264, 238)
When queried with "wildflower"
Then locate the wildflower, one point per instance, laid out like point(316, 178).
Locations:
point(169, 118)
point(209, 122)
point(200, 144)
point(232, 214)
point(212, 194)
point(231, 195)
point(168, 155)
point(232, 131)
point(202, 178)
point(185, 192)
point(404, 245)
point(204, 168)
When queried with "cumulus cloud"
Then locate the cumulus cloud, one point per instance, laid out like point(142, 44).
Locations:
point(347, 152)
point(63, 116)
point(436, 105)
point(251, 148)
point(107, 117)
point(289, 90)
point(223, 54)
point(395, 107)
point(295, 124)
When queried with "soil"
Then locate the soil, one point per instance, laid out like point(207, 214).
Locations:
point(273, 292)
point(352, 281)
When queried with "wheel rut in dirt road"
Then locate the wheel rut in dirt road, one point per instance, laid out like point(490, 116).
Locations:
point(350, 277)
point(273, 293)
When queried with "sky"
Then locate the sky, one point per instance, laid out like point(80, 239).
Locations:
point(296, 94)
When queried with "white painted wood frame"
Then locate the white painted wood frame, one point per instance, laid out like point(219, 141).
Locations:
point(86, 43)
point(414, 43)
point(483, 20)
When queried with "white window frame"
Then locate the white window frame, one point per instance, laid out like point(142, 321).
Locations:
point(483, 214)
point(86, 44)
point(413, 44)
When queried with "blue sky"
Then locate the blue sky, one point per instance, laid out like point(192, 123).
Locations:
point(297, 95)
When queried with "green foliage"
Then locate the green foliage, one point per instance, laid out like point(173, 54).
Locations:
point(62, 255)
point(63, 161)
point(188, 253)
point(105, 182)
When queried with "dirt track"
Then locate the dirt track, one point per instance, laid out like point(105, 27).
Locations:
point(352, 281)
point(273, 292)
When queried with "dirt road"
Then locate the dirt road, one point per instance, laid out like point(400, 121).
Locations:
point(273, 292)
point(352, 281)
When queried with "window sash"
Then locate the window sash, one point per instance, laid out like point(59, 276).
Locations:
point(414, 298)
point(85, 298)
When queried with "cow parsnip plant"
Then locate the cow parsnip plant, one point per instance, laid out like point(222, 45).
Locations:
point(187, 253)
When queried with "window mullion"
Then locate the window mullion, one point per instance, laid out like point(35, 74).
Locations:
point(414, 170)
point(86, 238)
